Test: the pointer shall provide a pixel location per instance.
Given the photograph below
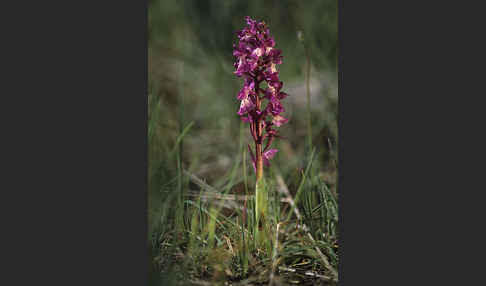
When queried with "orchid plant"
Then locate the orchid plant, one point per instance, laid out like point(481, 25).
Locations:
point(256, 59)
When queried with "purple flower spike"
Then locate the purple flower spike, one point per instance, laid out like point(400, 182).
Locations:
point(256, 60)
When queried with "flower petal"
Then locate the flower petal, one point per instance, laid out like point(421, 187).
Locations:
point(268, 155)
point(279, 120)
point(275, 106)
point(245, 106)
point(258, 52)
point(248, 88)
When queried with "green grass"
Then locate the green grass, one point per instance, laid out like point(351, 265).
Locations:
point(199, 171)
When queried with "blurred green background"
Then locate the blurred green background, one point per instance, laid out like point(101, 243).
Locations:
point(191, 80)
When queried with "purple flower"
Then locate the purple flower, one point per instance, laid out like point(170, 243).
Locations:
point(267, 156)
point(275, 107)
point(246, 106)
point(248, 88)
point(279, 120)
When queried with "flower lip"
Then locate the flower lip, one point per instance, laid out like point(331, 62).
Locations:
point(258, 52)
point(245, 106)
point(268, 155)
point(279, 120)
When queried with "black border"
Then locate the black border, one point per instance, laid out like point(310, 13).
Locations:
point(341, 181)
point(78, 155)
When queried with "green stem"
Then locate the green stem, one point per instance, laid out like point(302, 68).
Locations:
point(261, 196)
